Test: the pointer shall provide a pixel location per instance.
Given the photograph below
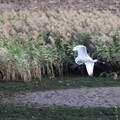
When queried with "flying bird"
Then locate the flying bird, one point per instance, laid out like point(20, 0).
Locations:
point(84, 58)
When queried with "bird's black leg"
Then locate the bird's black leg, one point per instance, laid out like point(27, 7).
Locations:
point(74, 66)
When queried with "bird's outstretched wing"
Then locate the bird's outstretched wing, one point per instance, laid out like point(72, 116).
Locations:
point(89, 67)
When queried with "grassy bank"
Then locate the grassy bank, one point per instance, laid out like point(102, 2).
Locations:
point(10, 88)
point(66, 113)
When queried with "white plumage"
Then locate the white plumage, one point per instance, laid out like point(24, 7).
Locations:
point(83, 57)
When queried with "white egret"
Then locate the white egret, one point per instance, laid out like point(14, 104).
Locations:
point(84, 58)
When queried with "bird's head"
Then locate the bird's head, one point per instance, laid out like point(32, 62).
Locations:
point(78, 47)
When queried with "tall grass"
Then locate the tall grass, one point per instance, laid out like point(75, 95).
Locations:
point(28, 60)
point(29, 25)
point(38, 44)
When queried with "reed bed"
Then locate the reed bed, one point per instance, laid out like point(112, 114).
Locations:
point(38, 44)
point(31, 25)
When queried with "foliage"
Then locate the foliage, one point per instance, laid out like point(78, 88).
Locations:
point(110, 50)
point(34, 45)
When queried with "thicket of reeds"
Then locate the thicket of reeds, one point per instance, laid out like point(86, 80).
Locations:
point(38, 44)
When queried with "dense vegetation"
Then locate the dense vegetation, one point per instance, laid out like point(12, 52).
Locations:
point(34, 45)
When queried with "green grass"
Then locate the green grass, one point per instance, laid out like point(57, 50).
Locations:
point(58, 113)
point(8, 88)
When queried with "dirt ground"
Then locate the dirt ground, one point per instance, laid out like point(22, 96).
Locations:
point(47, 5)
point(82, 97)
